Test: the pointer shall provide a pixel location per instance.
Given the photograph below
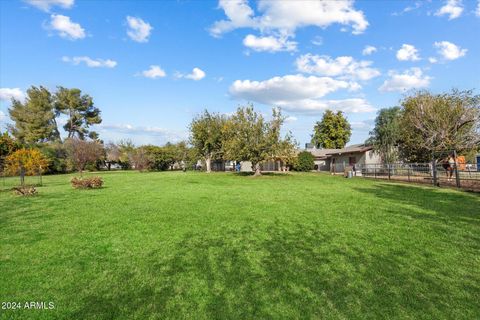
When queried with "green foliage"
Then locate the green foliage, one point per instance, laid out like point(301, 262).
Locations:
point(125, 148)
point(305, 161)
point(385, 136)
point(248, 137)
point(206, 136)
point(198, 246)
point(34, 120)
point(160, 158)
point(439, 122)
point(332, 132)
point(8, 145)
point(56, 153)
point(80, 111)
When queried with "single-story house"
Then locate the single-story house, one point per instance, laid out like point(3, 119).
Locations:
point(336, 160)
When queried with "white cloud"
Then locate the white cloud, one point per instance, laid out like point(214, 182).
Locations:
point(415, 6)
point(269, 43)
point(412, 78)
point(65, 27)
point(290, 119)
point(449, 51)
point(196, 74)
point(477, 12)
point(289, 87)
point(432, 60)
point(89, 62)
point(408, 53)
point(317, 40)
point(165, 135)
point(368, 50)
point(314, 106)
point(281, 19)
point(46, 5)
point(239, 15)
point(452, 8)
point(286, 16)
point(154, 72)
point(3, 116)
point(138, 30)
point(298, 93)
point(344, 67)
point(364, 125)
point(8, 93)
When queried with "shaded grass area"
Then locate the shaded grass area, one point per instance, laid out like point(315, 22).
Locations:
point(226, 246)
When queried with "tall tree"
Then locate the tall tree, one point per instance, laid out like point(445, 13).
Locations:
point(34, 119)
point(385, 136)
point(249, 137)
point(206, 136)
point(439, 122)
point(332, 132)
point(80, 110)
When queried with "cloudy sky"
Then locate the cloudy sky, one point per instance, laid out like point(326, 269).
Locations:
point(152, 65)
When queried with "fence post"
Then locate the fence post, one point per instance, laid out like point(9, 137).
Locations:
point(434, 172)
point(375, 171)
point(455, 167)
point(389, 171)
point(408, 172)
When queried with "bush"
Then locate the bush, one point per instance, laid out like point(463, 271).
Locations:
point(25, 191)
point(87, 183)
point(304, 161)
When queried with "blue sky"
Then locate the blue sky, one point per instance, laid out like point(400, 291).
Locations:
point(152, 65)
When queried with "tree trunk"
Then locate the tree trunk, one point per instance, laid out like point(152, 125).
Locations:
point(208, 163)
point(258, 172)
point(22, 176)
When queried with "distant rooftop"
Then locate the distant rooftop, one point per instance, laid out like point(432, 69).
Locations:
point(325, 153)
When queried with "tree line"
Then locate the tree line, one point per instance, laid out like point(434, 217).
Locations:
point(422, 124)
point(243, 136)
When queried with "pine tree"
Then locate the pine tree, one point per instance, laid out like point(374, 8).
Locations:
point(34, 120)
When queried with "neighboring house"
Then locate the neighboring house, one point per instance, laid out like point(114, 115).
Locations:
point(321, 157)
point(336, 160)
point(246, 166)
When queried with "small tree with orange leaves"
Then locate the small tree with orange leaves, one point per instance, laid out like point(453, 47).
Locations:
point(25, 162)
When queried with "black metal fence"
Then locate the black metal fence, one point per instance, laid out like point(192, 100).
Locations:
point(461, 175)
point(8, 182)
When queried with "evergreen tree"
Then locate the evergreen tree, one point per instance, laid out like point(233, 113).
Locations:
point(34, 120)
point(80, 111)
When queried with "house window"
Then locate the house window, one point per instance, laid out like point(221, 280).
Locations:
point(352, 160)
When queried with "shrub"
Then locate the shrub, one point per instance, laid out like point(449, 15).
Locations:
point(25, 191)
point(87, 183)
point(304, 161)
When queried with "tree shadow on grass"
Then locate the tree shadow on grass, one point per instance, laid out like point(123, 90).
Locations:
point(291, 271)
point(445, 206)
point(268, 174)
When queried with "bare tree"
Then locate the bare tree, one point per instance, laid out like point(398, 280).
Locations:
point(139, 159)
point(113, 154)
point(83, 152)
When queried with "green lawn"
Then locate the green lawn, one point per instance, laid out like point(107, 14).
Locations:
point(223, 246)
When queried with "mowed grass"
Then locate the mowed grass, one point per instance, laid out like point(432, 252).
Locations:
point(223, 246)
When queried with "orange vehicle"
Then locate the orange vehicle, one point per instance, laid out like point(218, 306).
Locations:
point(461, 162)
